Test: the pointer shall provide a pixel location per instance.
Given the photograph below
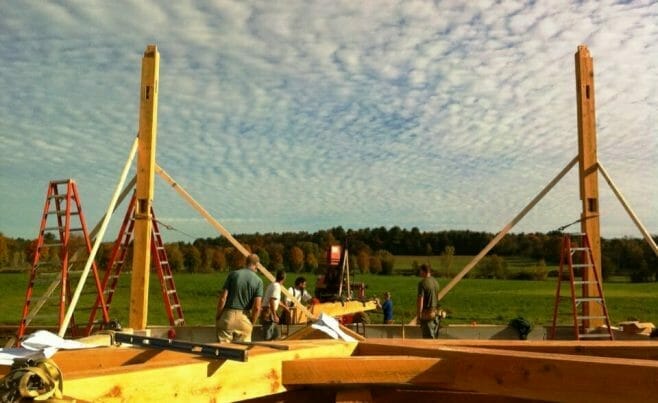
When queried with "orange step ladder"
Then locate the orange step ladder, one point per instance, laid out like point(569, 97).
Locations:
point(576, 257)
point(159, 262)
point(55, 235)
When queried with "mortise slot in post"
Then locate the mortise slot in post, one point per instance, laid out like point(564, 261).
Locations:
point(592, 205)
point(141, 206)
point(587, 91)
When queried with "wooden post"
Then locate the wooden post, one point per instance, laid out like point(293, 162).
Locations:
point(588, 174)
point(148, 112)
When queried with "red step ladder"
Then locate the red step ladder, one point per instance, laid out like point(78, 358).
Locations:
point(576, 256)
point(61, 206)
point(159, 262)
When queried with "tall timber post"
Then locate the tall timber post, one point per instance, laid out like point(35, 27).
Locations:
point(148, 118)
point(588, 174)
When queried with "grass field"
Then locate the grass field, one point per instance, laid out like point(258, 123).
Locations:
point(472, 300)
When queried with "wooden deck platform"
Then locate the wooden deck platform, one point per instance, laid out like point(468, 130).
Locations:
point(373, 370)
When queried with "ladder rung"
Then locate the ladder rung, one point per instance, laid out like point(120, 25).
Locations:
point(180, 321)
point(579, 249)
point(579, 282)
point(594, 336)
point(589, 299)
point(76, 229)
point(59, 196)
point(48, 229)
point(171, 292)
point(173, 306)
point(582, 265)
point(590, 317)
point(50, 245)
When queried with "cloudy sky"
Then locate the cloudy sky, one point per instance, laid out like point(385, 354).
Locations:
point(304, 115)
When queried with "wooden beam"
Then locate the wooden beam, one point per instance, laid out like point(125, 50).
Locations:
point(587, 169)
point(227, 234)
point(135, 374)
point(342, 308)
point(647, 350)
point(359, 371)
point(629, 210)
point(541, 376)
point(223, 231)
point(148, 112)
point(507, 228)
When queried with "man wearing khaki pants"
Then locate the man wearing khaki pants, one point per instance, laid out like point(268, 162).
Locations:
point(239, 303)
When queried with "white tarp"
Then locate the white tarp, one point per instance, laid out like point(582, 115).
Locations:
point(40, 344)
point(330, 326)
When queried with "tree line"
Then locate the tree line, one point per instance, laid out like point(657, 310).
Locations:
point(371, 250)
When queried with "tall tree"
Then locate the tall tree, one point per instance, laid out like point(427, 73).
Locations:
point(296, 259)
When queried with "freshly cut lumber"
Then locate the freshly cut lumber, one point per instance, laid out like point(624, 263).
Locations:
point(358, 371)
point(135, 374)
point(522, 374)
point(342, 308)
point(644, 349)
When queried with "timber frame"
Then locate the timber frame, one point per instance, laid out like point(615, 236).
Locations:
point(373, 370)
point(376, 370)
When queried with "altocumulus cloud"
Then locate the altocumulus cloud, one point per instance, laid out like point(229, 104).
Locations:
point(301, 115)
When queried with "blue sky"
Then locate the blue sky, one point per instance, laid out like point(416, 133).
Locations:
point(304, 115)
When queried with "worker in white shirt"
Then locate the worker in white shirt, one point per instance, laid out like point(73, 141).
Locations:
point(270, 318)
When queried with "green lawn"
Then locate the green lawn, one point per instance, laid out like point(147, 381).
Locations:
point(472, 300)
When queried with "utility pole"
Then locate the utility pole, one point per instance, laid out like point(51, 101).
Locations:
point(148, 118)
point(588, 174)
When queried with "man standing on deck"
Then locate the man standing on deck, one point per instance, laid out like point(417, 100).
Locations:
point(270, 318)
point(427, 303)
point(239, 303)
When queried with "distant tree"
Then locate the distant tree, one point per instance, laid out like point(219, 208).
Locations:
point(492, 267)
point(219, 262)
point(192, 259)
point(275, 251)
point(264, 257)
point(4, 251)
point(447, 256)
point(311, 263)
point(18, 260)
point(30, 250)
point(352, 263)
point(428, 249)
point(236, 260)
point(296, 259)
point(387, 261)
point(375, 264)
point(363, 261)
point(608, 267)
point(175, 256)
point(540, 271)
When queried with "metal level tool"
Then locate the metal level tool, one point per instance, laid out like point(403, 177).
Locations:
point(206, 350)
